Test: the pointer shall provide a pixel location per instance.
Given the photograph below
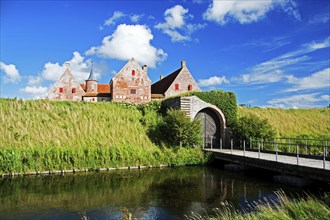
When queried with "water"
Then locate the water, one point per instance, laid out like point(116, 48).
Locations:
point(167, 193)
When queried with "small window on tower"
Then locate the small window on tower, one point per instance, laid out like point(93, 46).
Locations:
point(133, 91)
point(61, 89)
point(190, 87)
point(133, 72)
point(176, 86)
point(73, 90)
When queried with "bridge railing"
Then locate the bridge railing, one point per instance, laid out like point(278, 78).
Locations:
point(305, 148)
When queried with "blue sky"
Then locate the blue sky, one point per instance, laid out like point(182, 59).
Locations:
point(271, 53)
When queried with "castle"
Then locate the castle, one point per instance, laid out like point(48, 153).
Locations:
point(131, 84)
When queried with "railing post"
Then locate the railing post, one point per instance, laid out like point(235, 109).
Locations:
point(276, 149)
point(203, 142)
point(244, 148)
point(306, 145)
point(212, 143)
point(289, 145)
point(297, 149)
point(258, 150)
point(251, 147)
point(323, 157)
point(262, 143)
point(231, 145)
point(220, 143)
point(326, 148)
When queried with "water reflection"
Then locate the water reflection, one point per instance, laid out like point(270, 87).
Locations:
point(167, 193)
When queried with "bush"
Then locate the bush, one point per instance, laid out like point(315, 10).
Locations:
point(251, 126)
point(178, 130)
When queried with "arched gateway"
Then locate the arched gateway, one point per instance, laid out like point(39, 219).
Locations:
point(212, 118)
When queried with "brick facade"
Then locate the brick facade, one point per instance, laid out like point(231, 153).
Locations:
point(66, 88)
point(178, 82)
point(131, 84)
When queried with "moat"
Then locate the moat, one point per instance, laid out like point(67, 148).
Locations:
point(158, 193)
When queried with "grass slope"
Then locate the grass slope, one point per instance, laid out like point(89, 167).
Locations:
point(307, 123)
point(44, 136)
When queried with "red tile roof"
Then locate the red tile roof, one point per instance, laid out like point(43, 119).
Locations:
point(101, 88)
point(162, 85)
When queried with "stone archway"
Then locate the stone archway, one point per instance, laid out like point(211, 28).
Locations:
point(197, 109)
point(211, 127)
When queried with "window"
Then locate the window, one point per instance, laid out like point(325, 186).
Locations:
point(190, 87)
point(61, 89)
point(133, 72)
point(176, 86)
point(73, 90)
point(133, 91)
point(93, 99)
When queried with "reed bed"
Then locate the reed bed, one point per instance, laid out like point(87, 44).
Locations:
point(299, 209)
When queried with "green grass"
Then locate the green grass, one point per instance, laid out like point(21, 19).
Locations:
point(43, 135)
point(299, 209)
point(301, 123)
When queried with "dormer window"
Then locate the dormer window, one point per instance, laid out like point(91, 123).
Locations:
point(133, 72)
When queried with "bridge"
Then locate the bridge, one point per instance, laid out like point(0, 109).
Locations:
point(306, 158)
point(306, 161)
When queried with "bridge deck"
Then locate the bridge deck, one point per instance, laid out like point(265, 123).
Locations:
point(306, 167)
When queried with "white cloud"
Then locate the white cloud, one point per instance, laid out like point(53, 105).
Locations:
point(300, 101)
point(274, 70)
point(320, 19)
point(37, 92)
point(80, 69)
point(112, 20)
point(213, 81)
point(135, 18)
point(317, 80)
point(223, 11)
point(11, 73)
point(130, 41)
point(176, 25)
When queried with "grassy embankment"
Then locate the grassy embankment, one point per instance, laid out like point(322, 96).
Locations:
point(45, 136)
point(294, 123)
point(303, 208)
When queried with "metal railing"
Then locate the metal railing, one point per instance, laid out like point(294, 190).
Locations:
point(304, 148)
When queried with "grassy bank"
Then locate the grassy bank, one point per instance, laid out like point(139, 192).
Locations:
point(43, 135)
point(303, 208)
point(302, 123)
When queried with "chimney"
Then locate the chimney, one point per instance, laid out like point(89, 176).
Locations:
point(161, 77)
point(145, 68)
point(183, 63)
point(67, 65)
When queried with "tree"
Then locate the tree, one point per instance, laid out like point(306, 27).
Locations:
point(253, 127)
point(179, 130)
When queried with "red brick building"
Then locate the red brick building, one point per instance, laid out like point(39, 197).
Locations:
point(66, 88)
point(178, 82)
point(131, 84)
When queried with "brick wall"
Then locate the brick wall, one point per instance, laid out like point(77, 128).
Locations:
point(131, 84)
point(184, 82)
point(66, 88)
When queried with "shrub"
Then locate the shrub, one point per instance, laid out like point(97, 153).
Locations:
point(250, 126)
point(178, 130)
